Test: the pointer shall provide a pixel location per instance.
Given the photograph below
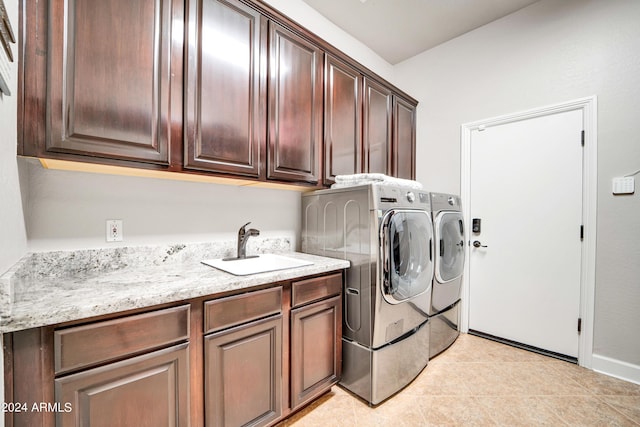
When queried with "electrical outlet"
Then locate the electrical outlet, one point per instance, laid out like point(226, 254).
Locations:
point(114, 230)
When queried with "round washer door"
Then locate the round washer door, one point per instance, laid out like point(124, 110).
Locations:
point(449, 228)
point(407, 254)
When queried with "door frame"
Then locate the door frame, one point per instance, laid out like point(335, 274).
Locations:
point(588, 106)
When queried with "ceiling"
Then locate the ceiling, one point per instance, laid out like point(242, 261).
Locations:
point(399, 29)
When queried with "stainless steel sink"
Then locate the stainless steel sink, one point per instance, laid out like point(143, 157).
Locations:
point(255, 265)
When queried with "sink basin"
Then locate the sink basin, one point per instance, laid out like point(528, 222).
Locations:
point(259, 264)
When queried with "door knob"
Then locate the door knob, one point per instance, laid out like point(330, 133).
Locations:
point(477, 244)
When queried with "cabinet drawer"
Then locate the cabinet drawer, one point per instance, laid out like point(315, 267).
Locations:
point(306, 291)
point(235, 310)
point(87, 345)
point(147, 390)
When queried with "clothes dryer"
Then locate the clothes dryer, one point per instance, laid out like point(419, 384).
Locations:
point(386, 233)
point(449, 233)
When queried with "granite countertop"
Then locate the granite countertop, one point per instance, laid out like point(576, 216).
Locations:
point(48, 289)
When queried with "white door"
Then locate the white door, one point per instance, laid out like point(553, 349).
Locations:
point(526, 189)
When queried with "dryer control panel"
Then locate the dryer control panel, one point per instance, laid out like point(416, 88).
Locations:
point(388, 197)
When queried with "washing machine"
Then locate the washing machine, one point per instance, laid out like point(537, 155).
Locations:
point(386, 233)
point(449, 232)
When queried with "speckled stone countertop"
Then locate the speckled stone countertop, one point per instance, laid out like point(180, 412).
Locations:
point(55, 287)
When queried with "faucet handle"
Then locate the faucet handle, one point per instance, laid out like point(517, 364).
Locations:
point(243, 227)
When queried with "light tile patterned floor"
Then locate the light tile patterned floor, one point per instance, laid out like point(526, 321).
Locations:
point(478, 382)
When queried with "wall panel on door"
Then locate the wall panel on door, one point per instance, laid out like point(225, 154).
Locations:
point(342, 120)
point(225, 97)
point(295, 106)
point(110, 79)
point(377, 113)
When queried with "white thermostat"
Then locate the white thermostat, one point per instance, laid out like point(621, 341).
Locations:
point(624, 185)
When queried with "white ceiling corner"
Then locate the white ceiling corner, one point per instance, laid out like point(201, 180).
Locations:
point(399, 29)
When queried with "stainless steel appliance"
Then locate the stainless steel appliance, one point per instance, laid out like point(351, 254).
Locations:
point(386, 233)
point(449, 264)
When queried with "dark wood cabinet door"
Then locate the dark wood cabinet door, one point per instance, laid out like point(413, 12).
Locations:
point(243, 374)
point(316, 349)
point(342, 119)
point(148, 390)
point(110, 78)
point(226, 93)
point(404, 138)
point(377, 113)
point(295, 106)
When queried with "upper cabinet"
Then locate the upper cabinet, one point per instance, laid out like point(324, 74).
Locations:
point(404, 138)
point(225, 88)
point(378, 108)
point(295, 106)
point(367, 127)
point(342, 119)
point(109, 78)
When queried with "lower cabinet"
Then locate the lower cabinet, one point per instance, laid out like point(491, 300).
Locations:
point(249, 359)
point(243, 359)
point(243, 374)
point(148, 390)
point(269, 352)
point(315, 350)
point(132, 370)
point(316, 337)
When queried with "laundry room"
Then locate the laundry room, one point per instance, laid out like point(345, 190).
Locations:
point(312, 212)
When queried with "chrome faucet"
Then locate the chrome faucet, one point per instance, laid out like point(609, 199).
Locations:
point(243, 236)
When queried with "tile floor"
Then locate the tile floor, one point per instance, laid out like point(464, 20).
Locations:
point(478, 382)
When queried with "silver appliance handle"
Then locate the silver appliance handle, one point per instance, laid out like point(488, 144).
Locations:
point(386, 256)
point(431, 250)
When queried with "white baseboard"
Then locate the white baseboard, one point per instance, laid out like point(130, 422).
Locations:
point(616, 368)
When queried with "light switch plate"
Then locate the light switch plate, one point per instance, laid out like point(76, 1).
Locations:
point(624, 185)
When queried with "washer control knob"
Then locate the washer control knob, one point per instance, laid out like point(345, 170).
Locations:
point(411, 197)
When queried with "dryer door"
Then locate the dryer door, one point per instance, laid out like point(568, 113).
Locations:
point(449, 246)
point(406, 238)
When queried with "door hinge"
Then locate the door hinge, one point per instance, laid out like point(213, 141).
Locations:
point(582, 138)
point(579, 325)
point(582, 232)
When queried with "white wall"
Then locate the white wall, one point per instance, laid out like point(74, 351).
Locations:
point(549, 52)
point(68, 210)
